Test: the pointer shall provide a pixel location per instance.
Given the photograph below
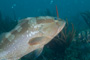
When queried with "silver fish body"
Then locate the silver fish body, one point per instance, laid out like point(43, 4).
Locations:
point(30, 34)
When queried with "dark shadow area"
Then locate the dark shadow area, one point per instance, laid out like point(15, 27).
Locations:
point(6, 23)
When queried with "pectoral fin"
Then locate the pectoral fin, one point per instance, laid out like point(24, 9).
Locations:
point(36, 40)
point(33, 55)
point(38, 52)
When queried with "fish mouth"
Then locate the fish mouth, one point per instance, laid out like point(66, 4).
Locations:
point(60, 23)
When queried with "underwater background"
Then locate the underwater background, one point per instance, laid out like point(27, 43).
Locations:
point(73, 43)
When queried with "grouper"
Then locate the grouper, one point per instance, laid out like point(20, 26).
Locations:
point(30, 34)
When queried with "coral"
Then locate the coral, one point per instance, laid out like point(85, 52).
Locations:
point(80, 47)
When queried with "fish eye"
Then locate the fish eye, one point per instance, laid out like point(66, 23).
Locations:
point(55, 18)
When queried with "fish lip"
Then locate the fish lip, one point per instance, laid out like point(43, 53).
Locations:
point(61, 26)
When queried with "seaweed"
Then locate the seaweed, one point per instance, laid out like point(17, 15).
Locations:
point(86, 17)
point(6, 23)
point(80, 47)
point(65, 37)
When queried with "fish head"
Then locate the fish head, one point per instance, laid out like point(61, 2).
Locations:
point(48, 27)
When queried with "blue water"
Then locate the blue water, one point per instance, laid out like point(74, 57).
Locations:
point(70, 9)
point(24, 8)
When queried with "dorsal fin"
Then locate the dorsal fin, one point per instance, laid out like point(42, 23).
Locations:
point(34, 54)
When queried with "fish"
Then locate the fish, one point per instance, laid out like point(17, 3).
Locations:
point(30, 34)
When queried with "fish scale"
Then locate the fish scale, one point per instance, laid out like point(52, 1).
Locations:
point(31, 34)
